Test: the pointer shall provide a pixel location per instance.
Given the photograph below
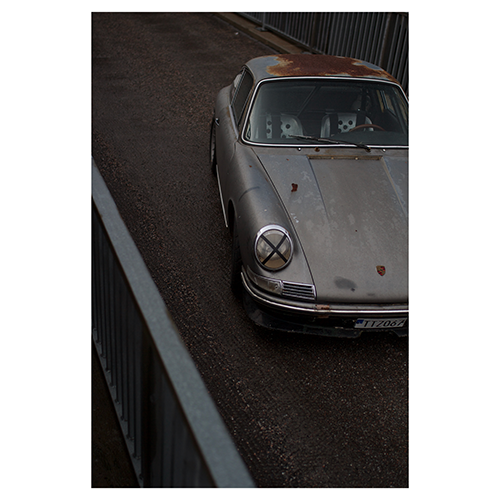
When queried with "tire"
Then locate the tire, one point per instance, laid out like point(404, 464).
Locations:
point(236, 263)
point(213, 155)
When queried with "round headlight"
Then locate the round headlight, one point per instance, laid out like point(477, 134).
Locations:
point(273, 247)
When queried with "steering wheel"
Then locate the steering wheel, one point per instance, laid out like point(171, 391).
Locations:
point(367, 125)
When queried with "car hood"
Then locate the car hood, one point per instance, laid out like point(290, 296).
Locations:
point(350, 214)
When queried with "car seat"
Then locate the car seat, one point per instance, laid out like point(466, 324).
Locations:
point(341, 122)
point(282, 126)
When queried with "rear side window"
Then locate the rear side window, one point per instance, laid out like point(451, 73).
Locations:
point(241, 96)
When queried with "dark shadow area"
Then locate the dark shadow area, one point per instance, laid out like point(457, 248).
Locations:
point(111, 467)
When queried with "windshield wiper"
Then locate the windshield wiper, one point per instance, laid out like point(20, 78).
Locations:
point(331, 141)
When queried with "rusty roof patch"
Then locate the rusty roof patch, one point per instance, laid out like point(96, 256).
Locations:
point(322, 65)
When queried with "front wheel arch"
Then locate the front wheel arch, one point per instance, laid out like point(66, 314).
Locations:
point(231, 218)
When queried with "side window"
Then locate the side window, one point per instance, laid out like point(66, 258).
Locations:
point(380, 101)
point(235, 84)
point(241, 96)
point(390, 104)
point(394, 102)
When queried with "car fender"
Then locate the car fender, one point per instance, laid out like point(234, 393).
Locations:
point(256, 204)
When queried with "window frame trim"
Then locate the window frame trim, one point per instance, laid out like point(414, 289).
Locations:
point(238, 121)
point(249, 104)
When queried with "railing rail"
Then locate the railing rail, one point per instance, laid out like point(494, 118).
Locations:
point(174, 433)
point(377, 37)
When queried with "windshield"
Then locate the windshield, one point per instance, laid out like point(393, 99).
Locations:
point(302, 111)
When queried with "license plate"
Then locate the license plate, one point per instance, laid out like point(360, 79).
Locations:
point(380, 323)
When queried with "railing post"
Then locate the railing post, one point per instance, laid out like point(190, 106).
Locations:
point(173, 431)
point(387, 40)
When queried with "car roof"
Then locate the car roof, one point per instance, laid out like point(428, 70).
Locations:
point(287, 65)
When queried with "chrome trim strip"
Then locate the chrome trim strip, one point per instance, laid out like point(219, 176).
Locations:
point(322, 145)
point(322, 309)
point(220, 194)
point(344, 157)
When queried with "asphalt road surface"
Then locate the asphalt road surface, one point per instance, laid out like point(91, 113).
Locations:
point(303, 411)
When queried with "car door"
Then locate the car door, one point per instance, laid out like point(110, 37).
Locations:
point(228, 123)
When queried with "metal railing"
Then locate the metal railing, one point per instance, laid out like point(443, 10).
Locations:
point(174, 433)
point(377, 37)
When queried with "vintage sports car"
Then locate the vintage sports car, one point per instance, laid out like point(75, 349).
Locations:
point(311, 157)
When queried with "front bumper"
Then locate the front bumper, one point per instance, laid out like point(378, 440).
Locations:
point(333, 320)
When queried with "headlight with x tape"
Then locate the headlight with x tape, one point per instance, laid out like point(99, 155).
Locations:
point(273, 247)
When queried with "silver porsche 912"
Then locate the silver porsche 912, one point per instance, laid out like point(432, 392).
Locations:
point(311, 157)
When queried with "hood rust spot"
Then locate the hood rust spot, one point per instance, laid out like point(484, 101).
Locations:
point(321, 65)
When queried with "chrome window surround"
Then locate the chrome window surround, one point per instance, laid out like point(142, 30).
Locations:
point(302, 144)
point(245, 73)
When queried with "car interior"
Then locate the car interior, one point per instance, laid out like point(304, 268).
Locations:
point(282, 110)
